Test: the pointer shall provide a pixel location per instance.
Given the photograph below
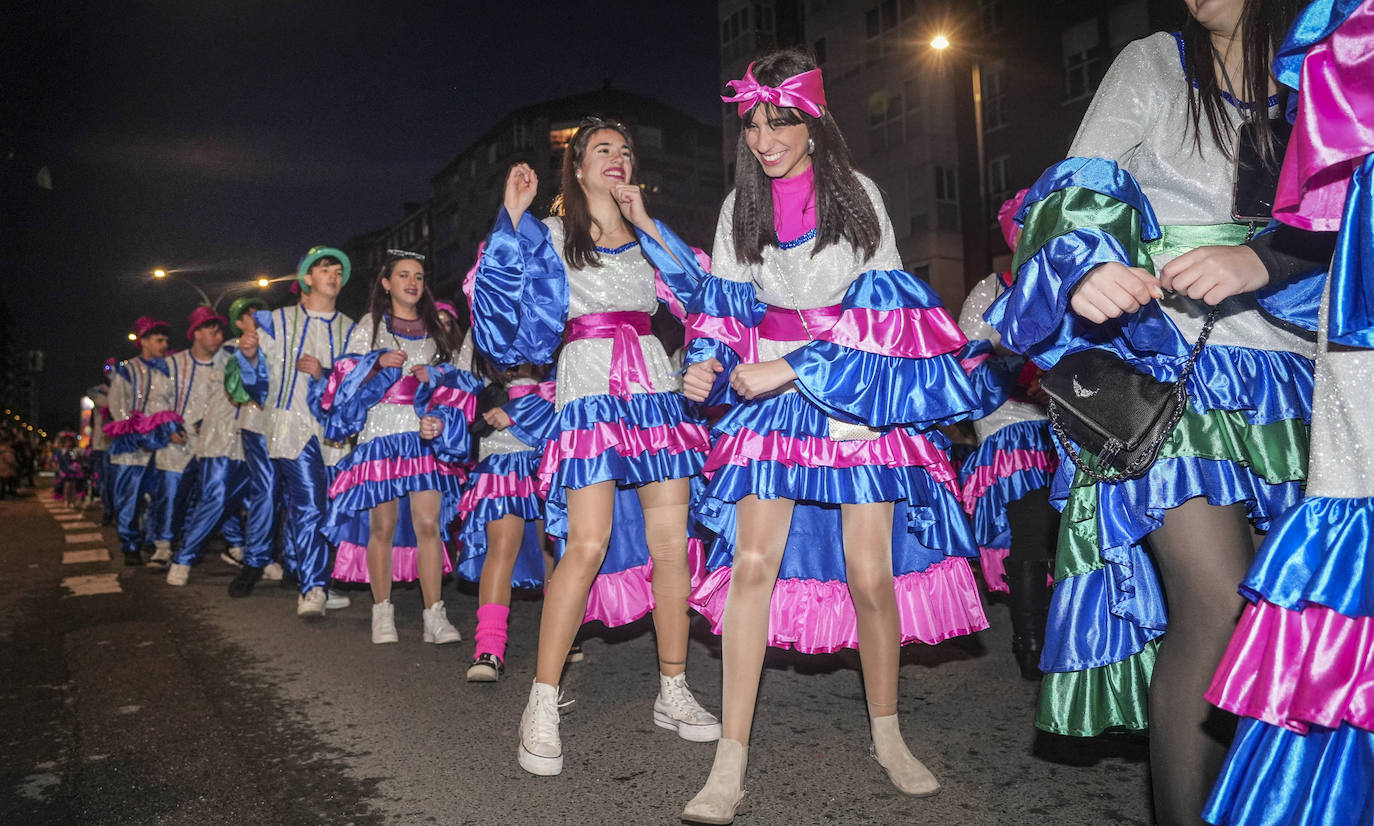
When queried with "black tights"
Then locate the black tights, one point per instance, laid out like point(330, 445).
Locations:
point(1202, 552)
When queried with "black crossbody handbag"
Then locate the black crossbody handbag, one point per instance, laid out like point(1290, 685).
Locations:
point(1119, 414)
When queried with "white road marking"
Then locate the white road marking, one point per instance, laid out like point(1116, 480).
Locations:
point(90, 555)
point(78, 538)
point(69, 526)
point(66, 517)
point(84, 586)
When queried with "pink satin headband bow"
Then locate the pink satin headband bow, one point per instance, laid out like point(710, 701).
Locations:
point(804, 91)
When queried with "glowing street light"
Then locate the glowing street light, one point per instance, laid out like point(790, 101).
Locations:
point(940, 42)
point(133, 337)
point(159, 273)
point(264, 281)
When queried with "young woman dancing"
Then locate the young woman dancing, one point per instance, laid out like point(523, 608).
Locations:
point(624, 447)
point(409, 407)
point(837, 519)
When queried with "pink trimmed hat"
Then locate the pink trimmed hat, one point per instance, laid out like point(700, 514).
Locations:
point(145, 324)
point(1006, 217)
point(201, 316)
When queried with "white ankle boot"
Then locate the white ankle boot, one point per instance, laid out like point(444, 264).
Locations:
point(907, 773)
point(677, 710)
point(718, 799)
point(384, 623)
point(438, 629)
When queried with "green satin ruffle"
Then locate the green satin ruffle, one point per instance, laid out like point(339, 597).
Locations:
point(1111, 698)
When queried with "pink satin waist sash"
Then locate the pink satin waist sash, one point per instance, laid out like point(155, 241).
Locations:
point(781, 324)
point(623, 329)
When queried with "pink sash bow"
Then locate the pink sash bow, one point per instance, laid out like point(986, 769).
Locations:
point(627, 358)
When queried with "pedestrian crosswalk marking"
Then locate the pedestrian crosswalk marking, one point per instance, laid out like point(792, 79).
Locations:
point(88, 555)
point(84, 586)
point(67, 526)
point(78, 538)
point(66, 517)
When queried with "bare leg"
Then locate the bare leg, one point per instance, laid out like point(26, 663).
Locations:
point(381, 533)
point(1203, 552)
point(590, 510)
point(759, 543)
point(665, 531)
point(868, 570)
point(424, 518)
point(504, 537)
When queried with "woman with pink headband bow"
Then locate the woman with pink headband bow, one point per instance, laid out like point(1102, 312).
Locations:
point(398, 392)
point(835, 510)
point(623, 449)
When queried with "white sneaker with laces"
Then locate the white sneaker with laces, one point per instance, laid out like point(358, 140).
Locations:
point(177, 574)
point(384, 623)
point(541, 750)
point(162, 553)
point(311, 604)
point(677, 710)
point(233, 556)
point(271, 572)
point(438, 629)
point(335, 600)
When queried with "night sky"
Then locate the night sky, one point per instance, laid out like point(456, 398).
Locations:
point(219, 140)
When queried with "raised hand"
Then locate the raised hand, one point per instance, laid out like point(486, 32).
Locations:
point(521, 187)
point(248, 343)
point(630, 199)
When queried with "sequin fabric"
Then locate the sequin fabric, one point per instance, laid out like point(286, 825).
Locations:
point(150, 392)
point(390, 419)
point(1139, 118)
point(1341, 461)
point(623, 282)
point(296, 332)
point(976, 329)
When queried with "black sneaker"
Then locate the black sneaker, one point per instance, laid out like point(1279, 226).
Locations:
point(575, 654)
point(486, 668)
point(133, 559)
point(244, 581)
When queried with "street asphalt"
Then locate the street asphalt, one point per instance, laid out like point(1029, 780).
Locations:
point(128, 701)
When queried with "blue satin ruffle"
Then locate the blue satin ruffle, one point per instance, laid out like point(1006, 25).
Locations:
point(453, 444)
point(1098, 175)
point(1313, 24)
point(990, 526)
point(520, 294)
point(1318, 553)
point(727, 299)
point(1277, 777)
point(882, 391)
point(1352, 267)
point(1086, 628)
point(367, 494)
point(532, 418)
point(994, 380)
point(253, 374)
point(529, 563)
point(680, 270)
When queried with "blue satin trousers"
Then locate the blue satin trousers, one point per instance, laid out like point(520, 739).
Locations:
point(305, 483)
point(131, 483)
point(223, 489)
point(262, 500)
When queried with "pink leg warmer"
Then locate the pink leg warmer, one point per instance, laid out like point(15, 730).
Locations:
point(491, 629)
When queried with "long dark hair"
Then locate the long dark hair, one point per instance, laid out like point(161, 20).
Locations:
point(1263, 24)
point(379, 305)
point(571, 204)
point(843, 209)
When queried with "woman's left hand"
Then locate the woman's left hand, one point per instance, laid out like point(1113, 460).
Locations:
point(754, 380)
point(431, 427)
point(630, 199)
point(1213, 274)
point(421, 373)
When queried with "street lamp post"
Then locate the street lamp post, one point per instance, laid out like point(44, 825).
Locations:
point(940, 43)
point(262, 282)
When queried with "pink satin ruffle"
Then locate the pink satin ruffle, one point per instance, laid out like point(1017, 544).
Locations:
point(896, 448)
point(351, 563)
point(624, 596)
point(731, 332)
point(1004, 464)
point(139, 422)
point(385, 470)
point(1298, 668)
point(625, 439)
point(817, 617)
point(546, 390)
point(993, 561)
point(340, 371)
point(906, 333)
point(1331, 134)
point(491, 486)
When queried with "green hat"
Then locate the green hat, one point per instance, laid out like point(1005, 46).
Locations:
point(244, 304)
point(315, 254)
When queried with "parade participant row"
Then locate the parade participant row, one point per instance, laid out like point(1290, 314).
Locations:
point(791, 481)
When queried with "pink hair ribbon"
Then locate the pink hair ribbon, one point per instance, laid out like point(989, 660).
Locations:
point(804, 91)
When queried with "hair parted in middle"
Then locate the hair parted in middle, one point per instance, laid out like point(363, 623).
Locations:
point(843, 208)
point(571, 204)
point(379, 304)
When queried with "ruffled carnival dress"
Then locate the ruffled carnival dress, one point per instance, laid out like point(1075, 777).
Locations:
point(1135, 193)
point(1016, 452)
point(619, 411)
point(382, 407)
point(506, 481)
point(1300, 667)
point(873, 352)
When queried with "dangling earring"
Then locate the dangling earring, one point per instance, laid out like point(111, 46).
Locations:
point(578, 173)
point(810, 146)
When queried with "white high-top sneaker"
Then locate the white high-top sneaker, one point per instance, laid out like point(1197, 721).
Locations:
point(384, 623)
point(541, 750)
point(162, 553)
point(677, 710)
point(177, 574)
point(438, 629)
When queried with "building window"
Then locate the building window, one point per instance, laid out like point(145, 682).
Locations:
point(990, 15)
point(918, 218)
point(1082, 59)
point(998, 189)
point(994, 115)
point(886, 127)
point(946, 183)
